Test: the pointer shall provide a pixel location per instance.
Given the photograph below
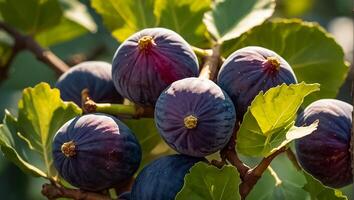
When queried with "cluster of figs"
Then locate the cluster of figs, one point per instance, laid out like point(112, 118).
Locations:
point(195, 116)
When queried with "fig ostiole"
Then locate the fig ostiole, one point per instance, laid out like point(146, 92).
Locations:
point(250, 70)
point(195, 117)
point(150, 60)
point(95, 152)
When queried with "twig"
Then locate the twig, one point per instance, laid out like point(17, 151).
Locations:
point(211, 65)
point(250, 179)
point(44, 55)
point(4, 70)
point(52, 192)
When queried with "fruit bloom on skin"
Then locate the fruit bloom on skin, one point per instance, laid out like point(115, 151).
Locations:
point(150, 60)
point(163, 178)
point(195, 117)
point(250, 70)
point(93, 75)
point(95, 152)
point(325, 153)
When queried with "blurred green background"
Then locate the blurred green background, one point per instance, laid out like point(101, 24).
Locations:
point(335, 16)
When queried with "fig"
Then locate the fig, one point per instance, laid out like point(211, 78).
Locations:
point(325, 153)
point(93, 75)
point(150, 60)
point(195, 117)
point(250, 70)
point(95, 152)
point(163, 178)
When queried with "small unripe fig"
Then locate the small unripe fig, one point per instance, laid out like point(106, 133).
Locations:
point(95, 152)
point(325, 153)
point(150, 60)
point(93, 75)
point(163, 178)
point(250, 70)
point(195, 117)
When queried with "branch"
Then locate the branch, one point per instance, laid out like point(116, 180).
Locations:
point(211, 65)
point(253, 175)
point(4, 70)
point(44, 55)
point(52, 192)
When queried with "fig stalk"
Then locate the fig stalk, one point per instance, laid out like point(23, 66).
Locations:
point(211, 65)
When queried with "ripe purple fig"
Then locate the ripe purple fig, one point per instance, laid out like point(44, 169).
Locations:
point(150, 60)
point(96, 152)
point(195, 117)
point(93, 75)
point(325, 153)
point(250, 70)
point(163, 178)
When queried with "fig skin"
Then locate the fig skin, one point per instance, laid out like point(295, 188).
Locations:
point(150, 60)
point(325, 153)
point(163, 178)
point(105, 152)
point(93, 75)
point(247, 71)
point(195, 117)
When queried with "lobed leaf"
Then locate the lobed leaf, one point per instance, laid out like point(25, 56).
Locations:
point(41, 114)
point(269, 122)
point(76, 21)
point(42, 15)
point(228, 19)
point(206, 182)
point(320, 192)
point(124, 18)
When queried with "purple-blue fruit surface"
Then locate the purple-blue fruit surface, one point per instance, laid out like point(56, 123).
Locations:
point(325, 153)
point(95, 152)
point(195, 117)
point(93, 75)
point(150, 60)
point(250, 70)
point(163, 178)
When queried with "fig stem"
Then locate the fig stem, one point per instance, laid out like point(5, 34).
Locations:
point(134, 111)
point(211, 65)
point(201, 52)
